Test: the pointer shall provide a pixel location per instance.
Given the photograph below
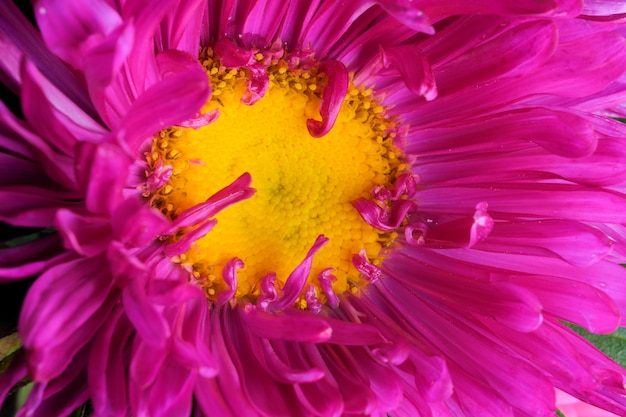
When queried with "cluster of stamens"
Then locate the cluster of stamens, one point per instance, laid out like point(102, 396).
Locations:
point(306, 192)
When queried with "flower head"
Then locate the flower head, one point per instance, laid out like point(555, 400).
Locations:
point(315, 207)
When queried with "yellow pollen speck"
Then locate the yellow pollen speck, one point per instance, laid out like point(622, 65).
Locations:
point(304, 185)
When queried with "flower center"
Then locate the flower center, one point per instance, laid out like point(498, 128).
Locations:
point(304, 185)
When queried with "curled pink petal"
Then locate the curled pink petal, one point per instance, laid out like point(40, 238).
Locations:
point(365, 267)
point(202, 120)
point(312, 301)
point(482, 226)
point(414, 68)
point(269, 294)
point(231, 55)
point(332, 97)
point(229, 274)
point(383, 218)
point(237, 191)
point(326, 280)
point(297, 279)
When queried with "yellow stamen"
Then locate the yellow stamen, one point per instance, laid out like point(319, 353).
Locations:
point(304, 185)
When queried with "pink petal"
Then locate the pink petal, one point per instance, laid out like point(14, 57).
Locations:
point(71, 30)
point(512, 54)
point(102, 169)
point(508, 304)
point(237, 191)
point(21, 35)
point(87, 235)
point(106, 368)
point(30, 259)
point(414, 68)
point(563, 238)
point(332, 97)
point(296, 280)
point(56, 324)
point(144, 316)
point(272, 326)
point(276, 367)
point(574, 301)
point(184, 81)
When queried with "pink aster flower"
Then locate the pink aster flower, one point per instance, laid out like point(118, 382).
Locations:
point(314, 207)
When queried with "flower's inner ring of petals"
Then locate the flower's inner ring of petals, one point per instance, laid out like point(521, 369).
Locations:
point(305, 186)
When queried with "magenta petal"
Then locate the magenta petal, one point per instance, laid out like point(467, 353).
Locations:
point(296, 280)
point(383, 218)
point(229, 383)
point(563, 238)
point(62, 395)
point(409, 13)
point(266, 17)
point(12, 55)
point(142, 312)
point(571, 72)
point(70, 29)
point(87, 235)
point(277, 368)
point(144, 316)
point(202, 120)
point(189, 344)
point(231, 55)
point(88, 285)
point(258, 83)
point(160, 400)
point(56, 324)
point(183, 244)
point(562, 133)
point(432, 377)
point(310, 328)
point(229, 274)
point(344, 332)
point(106, 369)
point(21, 34)
point(103, 170)
point(30, 207)
point(512, 54)
point(103, 62)
point(237, 191)
point(332, 97)
point(59, 111)
point(175, 290)
point(383, 382)
point(32, 258)
point(146, 364)
point(58, 166)
point(163, 401)
point(508, 304)
point(320, 398)
point(574, 301)
point(209, 398)
point(414, 68)
point(39, 112)
point(188, 89)
point(137, 224)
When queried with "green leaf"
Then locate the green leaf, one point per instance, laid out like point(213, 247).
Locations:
point(614, 344)
point(25, 238)
point(9, 345)
point(559, 413)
